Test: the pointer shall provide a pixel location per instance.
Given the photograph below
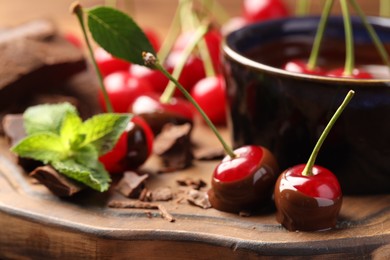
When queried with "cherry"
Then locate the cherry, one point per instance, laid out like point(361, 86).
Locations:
point(131, 150)
point(156, 79)
point(245, 182)
point(308, 197)
point(123, 89)
point(356, 74)
point(255, 10)
point(157, 114)
point(107, 63)
point(73, 39)
point(300, 66)
point(209, 93)
point(192, 72)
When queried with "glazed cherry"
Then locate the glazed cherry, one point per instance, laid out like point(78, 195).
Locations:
point(356, 74)
point(131, 150)
point(245, 182)
point(308, 197)
point(155, 77)
point(209, 93)
point(107, 63)
point(123, 89)
point(255, 10)
point(157, 114)
point(300, 66)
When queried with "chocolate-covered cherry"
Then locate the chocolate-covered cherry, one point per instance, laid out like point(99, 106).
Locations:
point(245, 182)
point(308, 197)
point(131, 150)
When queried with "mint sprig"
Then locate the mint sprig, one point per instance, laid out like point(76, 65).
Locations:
point(57, 136)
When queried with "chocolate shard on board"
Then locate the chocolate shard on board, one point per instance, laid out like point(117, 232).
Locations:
point(57, 183)
point(131, 184)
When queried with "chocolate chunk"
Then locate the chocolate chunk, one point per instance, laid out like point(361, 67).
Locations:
point(162, 194)
point(173, 145)
point(57, 183)
point(198, 198)
point(131, 184)
point(14, 128)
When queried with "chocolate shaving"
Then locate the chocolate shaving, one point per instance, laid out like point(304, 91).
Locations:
point(189, 182)
point(142, 205)
point(162, 194)
point(57, 183)
point(131, 184)
point(173, 145)
point(146, 195)
point(198, 198)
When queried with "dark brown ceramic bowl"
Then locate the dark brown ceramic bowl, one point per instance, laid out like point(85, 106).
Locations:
point(286, 112)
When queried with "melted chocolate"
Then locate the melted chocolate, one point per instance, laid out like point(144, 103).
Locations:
point(297, 211)
point(250, 193)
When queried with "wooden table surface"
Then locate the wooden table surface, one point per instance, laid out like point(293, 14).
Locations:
point(35, 224)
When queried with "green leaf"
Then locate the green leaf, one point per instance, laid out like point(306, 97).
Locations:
point(104, 130)
point(45, 147)
point(70, 126)
point(118, 34)
point(97, 178)
point(46, 118)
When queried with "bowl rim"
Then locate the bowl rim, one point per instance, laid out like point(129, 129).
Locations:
point(230, 53)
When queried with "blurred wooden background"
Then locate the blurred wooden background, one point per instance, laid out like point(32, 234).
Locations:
point(152, 13)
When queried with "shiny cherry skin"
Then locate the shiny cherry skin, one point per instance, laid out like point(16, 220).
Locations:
point(155, 77)
point(210, 95)
point(107, 63)
point(260, 10)
point(131, 150)
point(356, 74)
point(192, 72)
point(123, 89)
point(300, 66)
point(157, 114)
point(307, 203)
point(246, 182)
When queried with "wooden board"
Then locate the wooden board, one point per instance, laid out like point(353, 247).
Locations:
point(36, 224)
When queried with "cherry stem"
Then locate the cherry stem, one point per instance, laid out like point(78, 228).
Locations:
point(170, 88)
point(308, 170)
point(349, 45)
point(217, 10)
point(185, 7)
point(78, 11)
point(370, 29)
point(384, 8)
point(312, 63)
point(150, 60)
point(302, 8)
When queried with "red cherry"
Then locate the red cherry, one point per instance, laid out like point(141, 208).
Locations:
point(122, 90)
point(307, 202)
point(73, 39)
point(300, 66)
point(155, 77)
point(244, 182)
point(260, 10)
point(157, 114)
point(356, 74)
point(107, 63)
point(210, 95)
point(192, 72)
point(131, 150)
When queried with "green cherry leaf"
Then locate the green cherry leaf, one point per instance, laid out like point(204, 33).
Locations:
point(118, 34)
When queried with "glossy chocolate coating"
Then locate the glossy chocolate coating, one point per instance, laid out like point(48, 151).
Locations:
point(297, 211)
point(250, 193)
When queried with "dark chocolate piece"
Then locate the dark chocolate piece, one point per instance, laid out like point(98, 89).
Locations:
point(131, 184)
point(198, 198)
point(14, 128)
point(173, 145)
point(57, 183)
point(157, 120)
point(189, 182)
point(162, 194)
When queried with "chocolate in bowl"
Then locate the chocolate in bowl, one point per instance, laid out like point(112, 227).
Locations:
point(286, 112)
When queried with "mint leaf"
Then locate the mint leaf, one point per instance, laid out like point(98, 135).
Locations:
point(97, 178)
point(104, 130)
point(46, 118)
point(70, 126)
point(45, 147)
point(118, 34)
